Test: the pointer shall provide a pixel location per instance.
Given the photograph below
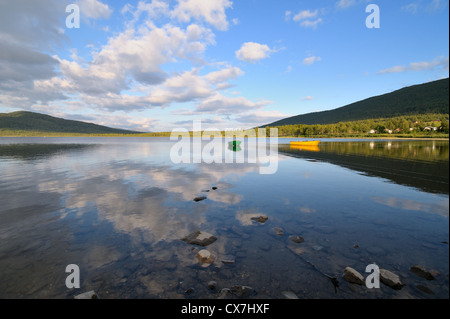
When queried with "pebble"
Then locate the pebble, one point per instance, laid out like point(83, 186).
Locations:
point(199, 199)
point(242, 291)
point(212, 285)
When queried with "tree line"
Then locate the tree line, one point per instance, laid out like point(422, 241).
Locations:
point(424, 124)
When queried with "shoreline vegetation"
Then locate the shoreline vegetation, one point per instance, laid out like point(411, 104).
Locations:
point(424, 126)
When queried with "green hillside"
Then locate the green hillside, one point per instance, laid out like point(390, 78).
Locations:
point(428, 98)
point(35, 122)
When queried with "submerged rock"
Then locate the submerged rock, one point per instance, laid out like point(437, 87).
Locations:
point(422, 272)
point(212, 285)
point(242, 291)
point(260, 219)
point(87, 295)
point(352, 276)
point(425, 289)
point(228, 259)
point(199, 238)
point(205, 257)
point(289, 295)
point(277, 231)
point(225, 293)
point(297, 239)
point(391, 280)
point(199, 198)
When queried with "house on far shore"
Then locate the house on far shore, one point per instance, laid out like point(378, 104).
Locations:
point(430, 128)
point(372, 132)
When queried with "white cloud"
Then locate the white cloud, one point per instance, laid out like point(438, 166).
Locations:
point(128, 72)
point(307, 98)
point(311, 60)
point(411, 8)
point(306, 14)
point(261, 117)
point(211, 12)
point(307, 18)
point(345, 3)
point(438, 63)
point(311, 23)
point(253, 52)
point(220, 104)
point(94, 9)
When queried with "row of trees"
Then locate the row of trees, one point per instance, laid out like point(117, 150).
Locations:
point(416, 124)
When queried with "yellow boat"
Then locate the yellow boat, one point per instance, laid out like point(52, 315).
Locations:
point(305, 143)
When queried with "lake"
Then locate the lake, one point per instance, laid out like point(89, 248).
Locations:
point(119, 207)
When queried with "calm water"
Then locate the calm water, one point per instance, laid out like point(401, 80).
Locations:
point(118, 208)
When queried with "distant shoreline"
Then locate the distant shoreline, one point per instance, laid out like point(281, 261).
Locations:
point(52, 135)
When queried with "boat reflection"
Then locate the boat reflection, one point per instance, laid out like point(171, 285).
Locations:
point(306, 148)
point(420, 164)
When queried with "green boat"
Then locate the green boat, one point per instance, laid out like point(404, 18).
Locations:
point(234, 146)
point(235, 143)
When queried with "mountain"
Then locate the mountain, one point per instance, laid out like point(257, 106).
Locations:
point(36, 122)
point(425, 98)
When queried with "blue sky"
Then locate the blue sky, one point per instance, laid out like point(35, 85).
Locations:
point(158, 65)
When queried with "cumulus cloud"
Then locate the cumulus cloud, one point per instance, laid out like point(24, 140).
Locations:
point(224, 105)
point(129, 71)
point(253, 52)
point(211, 12)
point(94, 9)
point(438, 63)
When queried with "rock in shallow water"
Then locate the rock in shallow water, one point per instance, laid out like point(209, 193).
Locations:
point(391, 280)
point(352, 276)
point(277, 231)
point(228, 259)
point(199, 198)
point(87, 295)
point(205, 257)
point(260, 219)
point(242, 291)
point(212, 285)
point(297, 239)
point(289, 295)
point(199, 238)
